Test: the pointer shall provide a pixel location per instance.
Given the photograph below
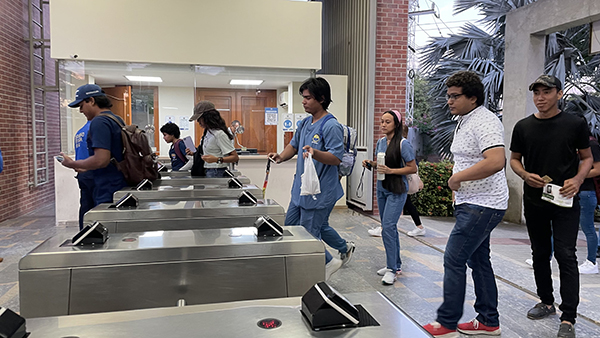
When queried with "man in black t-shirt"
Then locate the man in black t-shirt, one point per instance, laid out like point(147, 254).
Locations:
point(552, 145)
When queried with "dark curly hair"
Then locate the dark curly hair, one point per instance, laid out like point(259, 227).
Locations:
point(212, 120)
point(470, 83)
point(171, 129)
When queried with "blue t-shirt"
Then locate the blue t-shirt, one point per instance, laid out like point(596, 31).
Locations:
point(104, 133)
point(81, 150)
point(408, 154)
point(1, 162)
point(331, 141)
point(176, 162)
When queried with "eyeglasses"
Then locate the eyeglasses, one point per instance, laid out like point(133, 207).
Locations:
point(453, 96)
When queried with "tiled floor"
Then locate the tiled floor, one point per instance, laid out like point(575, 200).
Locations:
point(418, 290)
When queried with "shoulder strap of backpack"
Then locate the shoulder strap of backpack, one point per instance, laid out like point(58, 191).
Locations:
point(114, 118)
point(325, 119)
point(178, 151)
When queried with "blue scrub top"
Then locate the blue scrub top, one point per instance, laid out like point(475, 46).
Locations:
point(408, 154)
point(81, 150)
point(331, 141)
point(176, 162)
point(105, 133)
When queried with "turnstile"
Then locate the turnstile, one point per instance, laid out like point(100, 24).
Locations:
point(189, 180)
point(188, 192)
point(175, 174)
point(157, 269)
point(183, 215)
point(236, 319)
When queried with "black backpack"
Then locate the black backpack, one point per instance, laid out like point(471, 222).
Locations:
point(139, 161)
point(198, 165)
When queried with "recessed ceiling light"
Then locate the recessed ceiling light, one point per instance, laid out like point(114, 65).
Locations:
point(143, 78)
point(245, 82)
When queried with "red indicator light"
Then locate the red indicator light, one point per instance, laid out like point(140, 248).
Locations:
point(269, 323)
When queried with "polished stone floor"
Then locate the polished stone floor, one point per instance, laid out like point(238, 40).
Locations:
point(418, 291)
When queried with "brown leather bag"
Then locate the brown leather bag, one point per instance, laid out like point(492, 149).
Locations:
point(139, 161)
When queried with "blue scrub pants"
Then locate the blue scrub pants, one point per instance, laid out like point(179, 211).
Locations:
point(332, 237)
point(313, 220)
point(86, 199)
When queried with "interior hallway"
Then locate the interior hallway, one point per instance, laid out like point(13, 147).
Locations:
point(418, 290)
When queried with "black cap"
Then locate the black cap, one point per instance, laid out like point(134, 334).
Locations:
point(549, 81)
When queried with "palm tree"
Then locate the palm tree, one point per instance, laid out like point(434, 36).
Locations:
point(480, 48)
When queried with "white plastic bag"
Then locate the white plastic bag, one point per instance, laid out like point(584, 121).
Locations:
point(310, 181)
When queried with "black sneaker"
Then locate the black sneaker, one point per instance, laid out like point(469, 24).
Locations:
point(540, 311)
point(598, 253)
point(566, 331)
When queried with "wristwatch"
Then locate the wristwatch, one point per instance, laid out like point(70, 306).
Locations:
point(219, 160)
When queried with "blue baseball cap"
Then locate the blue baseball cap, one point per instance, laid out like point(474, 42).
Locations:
point(85, 92)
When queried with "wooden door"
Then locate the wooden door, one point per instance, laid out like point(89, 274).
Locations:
point(257, 135)
point(224, 102)
point(248, 107)
point(120, 96)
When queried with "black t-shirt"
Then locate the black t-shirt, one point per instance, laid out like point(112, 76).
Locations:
point(549, 147)
point(588, 184)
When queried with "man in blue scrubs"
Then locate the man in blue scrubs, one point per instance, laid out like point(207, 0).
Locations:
point(103, 142)
point(321, 136)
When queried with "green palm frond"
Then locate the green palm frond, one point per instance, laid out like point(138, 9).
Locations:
point(482, 51)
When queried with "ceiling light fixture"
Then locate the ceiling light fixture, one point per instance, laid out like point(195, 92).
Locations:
point(143, 78)
point(245, 82)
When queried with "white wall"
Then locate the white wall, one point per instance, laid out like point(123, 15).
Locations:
point(257, 33)
point(177, 102)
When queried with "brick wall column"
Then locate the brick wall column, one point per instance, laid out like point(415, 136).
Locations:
point(391, 53)
point(16, 196)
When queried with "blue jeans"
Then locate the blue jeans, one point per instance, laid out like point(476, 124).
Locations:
point(469, 243)
point(588, 202)
point(311, 219)
point(390, 208)
point(215, 172)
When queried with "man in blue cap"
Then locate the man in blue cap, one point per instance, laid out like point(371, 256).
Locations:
point(104, 142)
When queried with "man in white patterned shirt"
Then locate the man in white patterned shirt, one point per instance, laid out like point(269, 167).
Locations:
point(481, 197)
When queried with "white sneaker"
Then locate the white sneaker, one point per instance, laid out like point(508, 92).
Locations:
point(347, 256)
point(588, 268)
point(388, 278)
point(382, 271)
point(375, 232)
point(416, 232)
point(330, 268)
point(529, 262)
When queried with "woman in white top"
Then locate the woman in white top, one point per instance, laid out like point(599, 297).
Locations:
point(217, 148)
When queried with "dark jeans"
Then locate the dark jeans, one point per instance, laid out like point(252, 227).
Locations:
point(409, 208)
point(215, 172)
point(86, 199)
point(469, 243)
point(562, 224)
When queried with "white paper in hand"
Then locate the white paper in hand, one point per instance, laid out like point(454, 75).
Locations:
point(189, 144)
point(310, 181)
point(550, 193)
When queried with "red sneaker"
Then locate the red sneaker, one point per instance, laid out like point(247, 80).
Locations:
point(475, 327)
point(437, 330)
